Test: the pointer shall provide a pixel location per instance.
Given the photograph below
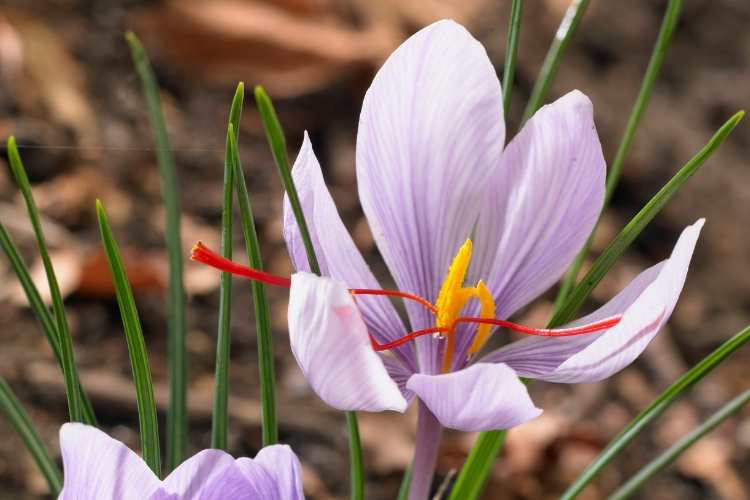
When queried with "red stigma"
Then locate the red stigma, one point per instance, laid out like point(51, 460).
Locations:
point(539, 332)
point(204, 255)
point(201, 253)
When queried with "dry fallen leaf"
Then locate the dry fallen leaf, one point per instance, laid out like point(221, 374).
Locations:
point(291, 54)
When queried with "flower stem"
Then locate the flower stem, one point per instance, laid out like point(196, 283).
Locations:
point(429, 432)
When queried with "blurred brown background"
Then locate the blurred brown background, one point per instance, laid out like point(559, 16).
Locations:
point(69, 94)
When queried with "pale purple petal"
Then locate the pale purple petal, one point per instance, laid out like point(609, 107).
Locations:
point(337, 254)
point(261, 484)
point(535, 357)
point(482, 397)
point(399, 374)
point(645, 305)
point(430, 134)
point(98, 467)
point(193, 479)
point(542, 203)
point(330, 342)
point(285, 470)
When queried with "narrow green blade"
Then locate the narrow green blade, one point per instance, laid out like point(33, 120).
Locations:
point(403, 490)
point(144, 388)
point(635, 483)
point(356, 465)
point(668, 24)
point(65, 342)
point(476, 470)
point(511, 51)
point(630, 232)
point(177, 423)
point(566, 30)
point(220, 422)
point(659, 405)
point(20, 421)
point(46, 321)
point(262, 316)
point(277, 142)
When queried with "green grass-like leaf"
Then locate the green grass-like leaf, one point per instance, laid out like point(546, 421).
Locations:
point(669, 22)
point(262, 319)
point(65, 342)
point(219, 422)
point(277, 142)
point(660, 404)
point(566, 30)
point(403, 490)
point(673, 452)
point(20, 421)
point(46, 321)
point(630, 232)
point(356, 465)
point(177, 423)
point(511, 51)
point(476, 469)
point(144, 388)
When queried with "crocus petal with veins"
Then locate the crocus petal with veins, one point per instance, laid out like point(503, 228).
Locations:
point(330, 343)
point(337, 254)
point(284, 467)
point(196, 476)
point(430, 134)
point(481, 397)
point(542, 203)
point(540, 207)
point(98, 467)
point(274, 474)
point(645, 305)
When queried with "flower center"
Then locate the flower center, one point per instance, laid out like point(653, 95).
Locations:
point(452, 299)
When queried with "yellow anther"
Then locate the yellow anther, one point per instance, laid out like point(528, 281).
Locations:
point(453, 297)
point(488, 311)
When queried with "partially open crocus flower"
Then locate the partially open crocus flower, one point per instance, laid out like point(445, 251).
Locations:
point(471, 231)
point(98, 467)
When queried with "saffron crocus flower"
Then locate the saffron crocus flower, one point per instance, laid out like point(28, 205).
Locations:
point(98, 467)
point(471, 231)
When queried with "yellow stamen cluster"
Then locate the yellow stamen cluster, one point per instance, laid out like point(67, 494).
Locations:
point(452, 299)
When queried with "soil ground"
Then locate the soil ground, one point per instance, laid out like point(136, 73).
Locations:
point(69, 95)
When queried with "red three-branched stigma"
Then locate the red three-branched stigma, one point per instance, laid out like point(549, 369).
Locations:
point(204, 255)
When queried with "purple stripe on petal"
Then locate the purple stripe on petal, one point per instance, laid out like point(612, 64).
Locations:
point(330, 343)
point(399, 374)
point(193, 478)
point(645, 305)
point(98, 467)
point(337, 254)
point(262, 484)
point(541, 205)
point(430, 134)
point(482, 397)
point(283, 466)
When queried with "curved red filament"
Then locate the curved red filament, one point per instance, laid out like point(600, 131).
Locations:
point(201, 253)
point(539, 332)
point(395, 293)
